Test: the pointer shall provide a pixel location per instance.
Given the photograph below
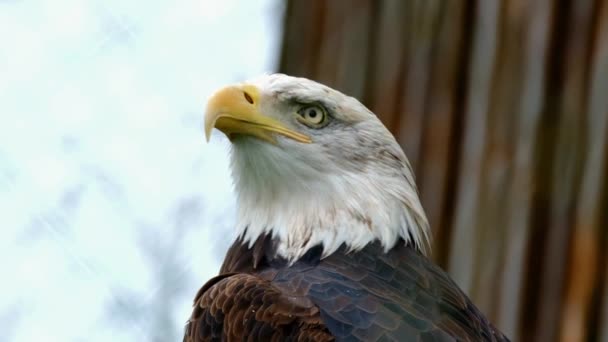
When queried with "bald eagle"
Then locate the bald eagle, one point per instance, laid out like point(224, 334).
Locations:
point(331, 235)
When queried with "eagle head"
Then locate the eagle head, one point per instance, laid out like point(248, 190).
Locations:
point(312, 166)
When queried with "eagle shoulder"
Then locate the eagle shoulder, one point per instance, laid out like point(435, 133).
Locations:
point(246, 307)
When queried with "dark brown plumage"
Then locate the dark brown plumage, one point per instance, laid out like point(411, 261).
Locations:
point(367, 295)
point(315, 169)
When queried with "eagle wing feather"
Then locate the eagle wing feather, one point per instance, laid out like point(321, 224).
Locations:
point(245, 307)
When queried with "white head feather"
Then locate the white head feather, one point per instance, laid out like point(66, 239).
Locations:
point(352, 185)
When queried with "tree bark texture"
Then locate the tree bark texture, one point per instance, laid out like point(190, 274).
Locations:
point(502, 109)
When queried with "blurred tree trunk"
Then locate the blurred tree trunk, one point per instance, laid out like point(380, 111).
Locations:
point(502, 108)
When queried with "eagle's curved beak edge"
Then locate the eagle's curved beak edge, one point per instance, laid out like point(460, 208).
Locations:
point(234, 111)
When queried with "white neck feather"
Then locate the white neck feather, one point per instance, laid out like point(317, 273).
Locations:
point(302, 207)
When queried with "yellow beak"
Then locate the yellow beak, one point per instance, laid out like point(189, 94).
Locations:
point(234, 110)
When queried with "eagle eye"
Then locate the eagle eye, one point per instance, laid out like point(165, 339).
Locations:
point(312, 115)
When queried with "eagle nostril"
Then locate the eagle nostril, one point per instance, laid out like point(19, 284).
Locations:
point(248, 97)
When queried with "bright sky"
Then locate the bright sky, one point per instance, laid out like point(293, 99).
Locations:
point(114, 211)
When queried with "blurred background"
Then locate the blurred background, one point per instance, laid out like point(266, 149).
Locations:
point(114, 211)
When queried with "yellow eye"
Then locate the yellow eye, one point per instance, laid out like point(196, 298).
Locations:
point(312, 115)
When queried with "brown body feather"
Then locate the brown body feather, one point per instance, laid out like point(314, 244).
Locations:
point(367, 295)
